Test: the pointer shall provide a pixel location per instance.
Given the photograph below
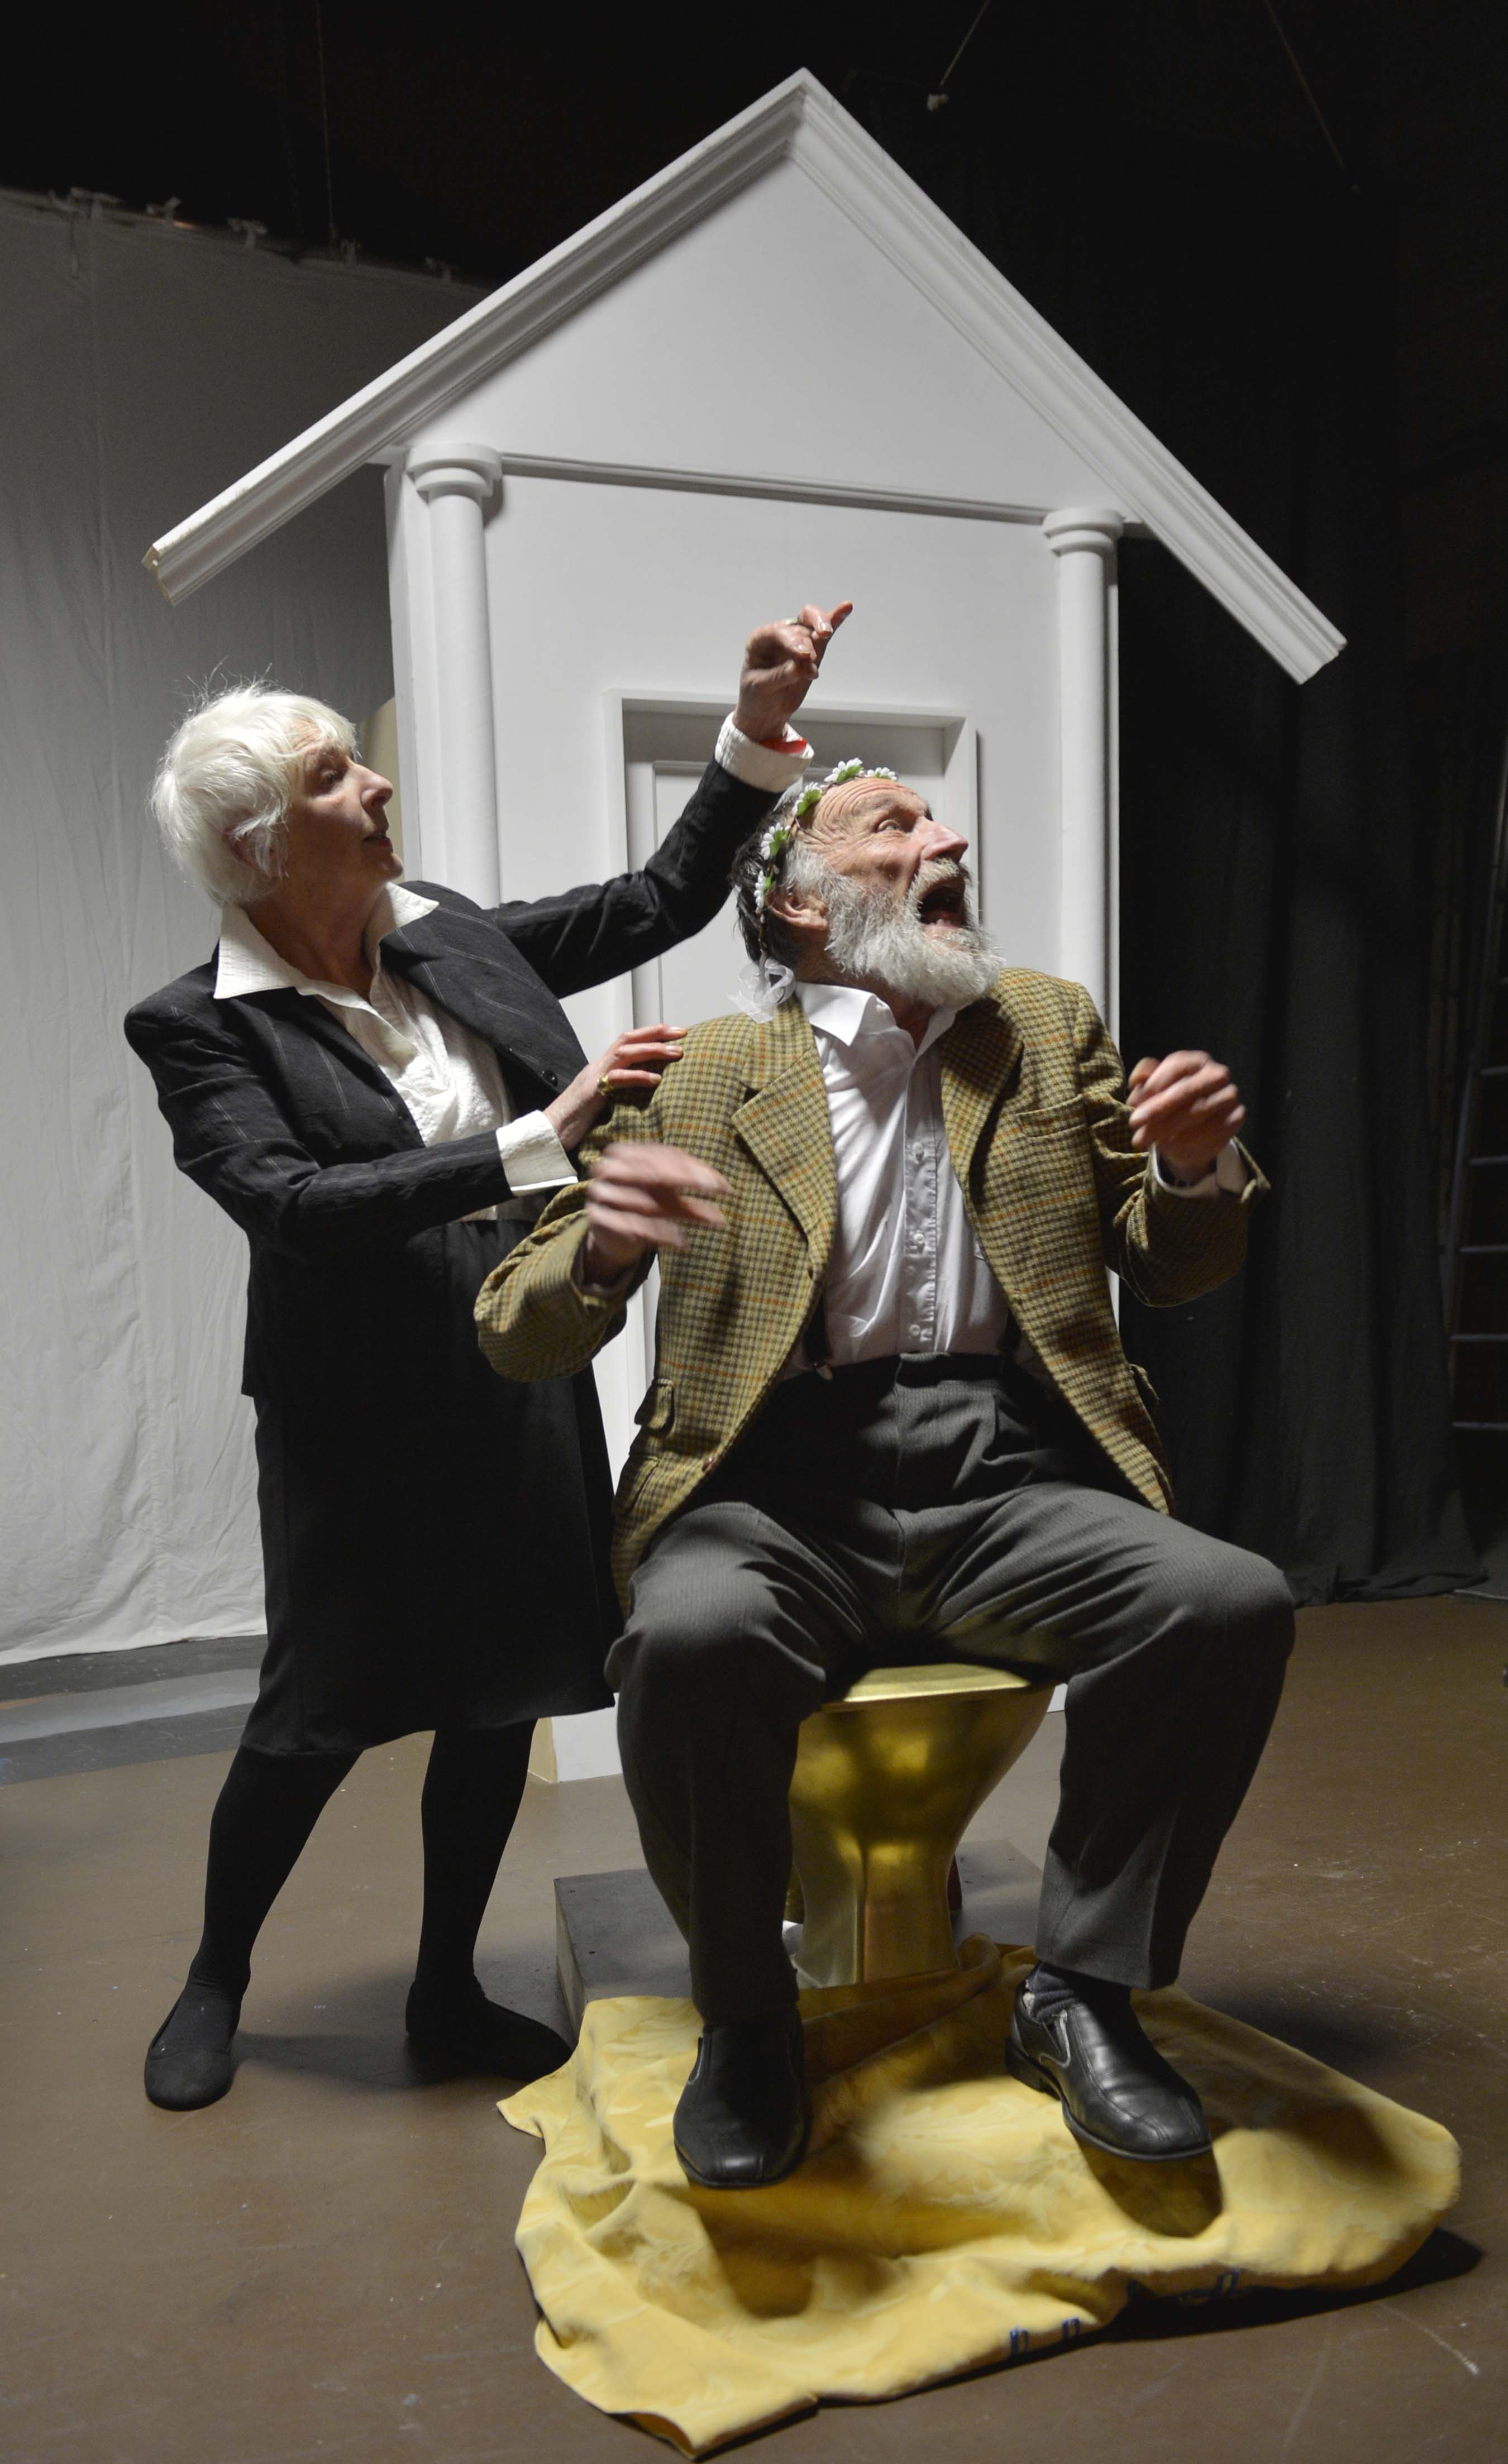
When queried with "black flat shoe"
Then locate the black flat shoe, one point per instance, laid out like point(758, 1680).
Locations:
point(1116, 2092)
point(188, 2060)
point(483, 2036)
point(742, 2118)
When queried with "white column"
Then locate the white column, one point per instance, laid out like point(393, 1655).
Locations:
point(457, 482)
point(1083, 539)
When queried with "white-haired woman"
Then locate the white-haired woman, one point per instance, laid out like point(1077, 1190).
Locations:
point(379, 1084)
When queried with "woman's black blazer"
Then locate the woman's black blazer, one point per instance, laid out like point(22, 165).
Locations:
point(435, 1539)
point(276, 1112)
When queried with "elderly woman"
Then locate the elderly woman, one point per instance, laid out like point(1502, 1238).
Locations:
point(380, 1086)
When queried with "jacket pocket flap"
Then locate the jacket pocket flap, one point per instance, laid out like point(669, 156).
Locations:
point(1040, 1118)
point(657, 1411)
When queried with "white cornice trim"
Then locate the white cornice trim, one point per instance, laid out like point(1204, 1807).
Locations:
point(767, 484)
point(844, 161)
point(801, 121)
point(494, 331)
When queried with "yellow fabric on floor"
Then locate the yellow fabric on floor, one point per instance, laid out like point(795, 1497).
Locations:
point(946, 2217)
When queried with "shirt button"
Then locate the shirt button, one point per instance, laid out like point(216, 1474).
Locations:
point(917, 1332)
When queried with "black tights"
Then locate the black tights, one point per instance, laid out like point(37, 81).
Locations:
point(270, 1803)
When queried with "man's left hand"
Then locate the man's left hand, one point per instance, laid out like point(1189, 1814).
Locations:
point(1188, 1107)
point(779, 668)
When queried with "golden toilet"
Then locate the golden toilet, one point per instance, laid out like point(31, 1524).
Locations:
point(888, 1777)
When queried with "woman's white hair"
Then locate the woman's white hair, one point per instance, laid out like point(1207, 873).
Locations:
point(223, 786)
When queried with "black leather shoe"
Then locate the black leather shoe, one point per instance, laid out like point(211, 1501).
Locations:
point(743, 2116)
point(484, 2036)
point(1116, 2092)
point(188, 2060)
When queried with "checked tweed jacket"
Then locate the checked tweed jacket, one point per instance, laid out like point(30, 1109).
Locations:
point(1039, 1134)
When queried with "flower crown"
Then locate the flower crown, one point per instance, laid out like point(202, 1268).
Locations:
point(773, 846)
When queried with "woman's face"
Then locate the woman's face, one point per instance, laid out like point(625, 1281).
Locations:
point(336, 846)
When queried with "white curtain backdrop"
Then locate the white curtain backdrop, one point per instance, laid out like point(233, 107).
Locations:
point(145, 370)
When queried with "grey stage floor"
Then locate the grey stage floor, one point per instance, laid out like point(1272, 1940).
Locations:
point(94, 1710)
point(322, 2266)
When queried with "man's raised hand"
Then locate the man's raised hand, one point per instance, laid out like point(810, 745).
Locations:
point(779, 668)
point(643, 1197)
point(1188, 1107)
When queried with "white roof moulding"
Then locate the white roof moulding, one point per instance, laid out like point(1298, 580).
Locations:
point(799, 122)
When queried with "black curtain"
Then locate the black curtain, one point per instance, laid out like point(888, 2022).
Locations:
point(1274, 902)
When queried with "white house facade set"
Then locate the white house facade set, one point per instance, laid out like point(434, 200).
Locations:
point(775, 372)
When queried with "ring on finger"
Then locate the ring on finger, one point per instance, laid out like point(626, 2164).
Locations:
point(604, 1085)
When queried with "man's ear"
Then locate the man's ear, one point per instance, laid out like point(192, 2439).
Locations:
point(794, 907)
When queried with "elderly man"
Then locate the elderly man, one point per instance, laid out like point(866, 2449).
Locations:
point(891, 1420)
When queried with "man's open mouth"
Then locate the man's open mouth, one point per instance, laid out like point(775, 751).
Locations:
point(945, 903)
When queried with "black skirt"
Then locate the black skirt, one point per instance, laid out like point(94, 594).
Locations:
point(434, 1537)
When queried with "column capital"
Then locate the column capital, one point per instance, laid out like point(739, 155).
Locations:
point(1084, 529)
point(472, 470)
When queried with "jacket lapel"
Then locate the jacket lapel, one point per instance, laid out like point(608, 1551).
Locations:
point(469, 968)
point(784, 1126)
point(310, 1021)
point(981, 1057)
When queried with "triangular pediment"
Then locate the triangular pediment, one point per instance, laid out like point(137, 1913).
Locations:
point(988, 412)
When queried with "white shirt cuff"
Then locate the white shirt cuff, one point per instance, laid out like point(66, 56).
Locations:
point(763, 765)
point(533, 1156)
point(1227, 1177)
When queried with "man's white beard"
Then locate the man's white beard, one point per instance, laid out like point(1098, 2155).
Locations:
point(885, 943)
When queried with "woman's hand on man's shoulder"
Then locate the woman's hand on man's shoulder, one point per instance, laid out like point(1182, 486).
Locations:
point(632, 1061)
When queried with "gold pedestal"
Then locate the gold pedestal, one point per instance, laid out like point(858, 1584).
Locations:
point(887, 1781)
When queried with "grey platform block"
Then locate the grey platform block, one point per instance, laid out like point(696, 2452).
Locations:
point(1000, 1892)
point(614, 1934)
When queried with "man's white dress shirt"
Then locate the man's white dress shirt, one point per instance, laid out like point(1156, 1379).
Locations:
point(906, 1273)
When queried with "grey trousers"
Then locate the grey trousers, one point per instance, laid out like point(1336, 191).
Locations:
point(927, 1508)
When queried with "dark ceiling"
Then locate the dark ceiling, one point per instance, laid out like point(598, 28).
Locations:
point(482, 136)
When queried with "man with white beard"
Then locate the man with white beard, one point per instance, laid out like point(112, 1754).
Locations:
point(891, 1421)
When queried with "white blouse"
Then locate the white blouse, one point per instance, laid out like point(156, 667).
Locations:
point(447, 1076)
